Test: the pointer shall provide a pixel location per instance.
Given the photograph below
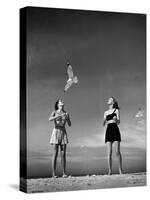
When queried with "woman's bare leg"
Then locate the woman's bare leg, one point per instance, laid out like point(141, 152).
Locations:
point(63, 158)
point(109, 150)
point(54, 159)
point(118, 154)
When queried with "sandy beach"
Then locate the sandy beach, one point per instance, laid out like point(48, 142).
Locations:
point(85, 182)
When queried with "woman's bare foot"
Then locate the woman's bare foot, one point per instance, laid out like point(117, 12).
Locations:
point(64, 176)
point(54, 176)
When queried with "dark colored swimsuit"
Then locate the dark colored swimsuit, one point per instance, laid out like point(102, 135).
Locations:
point(112, 131)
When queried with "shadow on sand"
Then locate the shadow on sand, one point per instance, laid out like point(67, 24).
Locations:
point(14, 186)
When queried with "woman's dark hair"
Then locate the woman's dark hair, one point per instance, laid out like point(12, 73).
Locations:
point(115, 103)
point(56, 104)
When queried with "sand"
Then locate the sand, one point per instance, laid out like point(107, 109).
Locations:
point(85, 182)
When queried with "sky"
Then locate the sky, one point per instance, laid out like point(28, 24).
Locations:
point(108, 54)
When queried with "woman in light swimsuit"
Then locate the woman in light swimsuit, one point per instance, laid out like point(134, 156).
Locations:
point(112, 136)
point(59, 135)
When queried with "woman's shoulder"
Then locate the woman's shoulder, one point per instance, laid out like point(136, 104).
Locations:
point(106, 112)
point(116, 109)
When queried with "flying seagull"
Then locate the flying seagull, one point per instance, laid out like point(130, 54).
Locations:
point(71, 78)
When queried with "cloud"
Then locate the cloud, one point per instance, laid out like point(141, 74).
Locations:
point(142, 122)
point(140, 113)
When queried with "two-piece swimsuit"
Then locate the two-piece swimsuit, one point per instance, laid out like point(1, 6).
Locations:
point(112, 131)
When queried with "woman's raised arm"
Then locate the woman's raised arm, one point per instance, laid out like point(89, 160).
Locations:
point(52, 116)
point(118, 116)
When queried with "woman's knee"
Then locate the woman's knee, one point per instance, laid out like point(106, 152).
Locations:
point(63, 149)
point(118, 153)
point(63, 153)
point(55, 154)
point(55, 151)
point(109, 153)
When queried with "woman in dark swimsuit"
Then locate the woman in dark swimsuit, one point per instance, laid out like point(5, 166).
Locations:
point(112, 119)
point(59, 135)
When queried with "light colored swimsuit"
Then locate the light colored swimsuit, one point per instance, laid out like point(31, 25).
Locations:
point(59, 134)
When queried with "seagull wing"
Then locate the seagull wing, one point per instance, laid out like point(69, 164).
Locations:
point(68, 85)
point(75, 79)
point(70, 72)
